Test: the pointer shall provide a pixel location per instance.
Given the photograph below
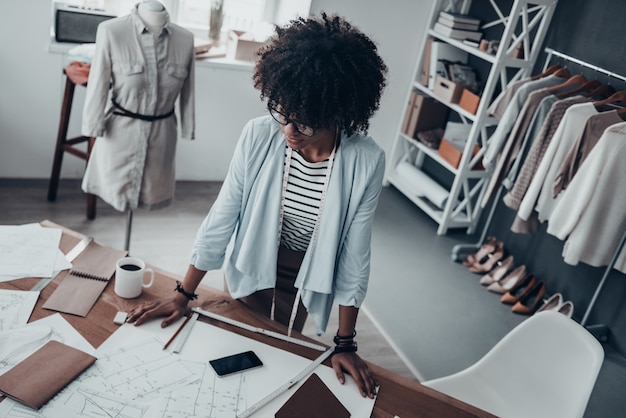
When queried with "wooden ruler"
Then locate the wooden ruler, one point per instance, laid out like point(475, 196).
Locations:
point(248, 327)
point(184, 333)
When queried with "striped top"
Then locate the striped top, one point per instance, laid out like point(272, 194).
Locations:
point(302, 201)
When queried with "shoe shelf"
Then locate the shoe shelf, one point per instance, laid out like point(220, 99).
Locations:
point(522, 26)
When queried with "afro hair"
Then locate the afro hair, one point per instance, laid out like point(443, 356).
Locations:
point(324, 71)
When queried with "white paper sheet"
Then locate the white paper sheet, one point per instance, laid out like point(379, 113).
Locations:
point(207, 342)
point(28, 250)
point(60, 264)
point(134, 377)
point(19, 343)
point(16, 306)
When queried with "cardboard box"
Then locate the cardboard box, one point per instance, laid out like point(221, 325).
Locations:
point(242, 45)
point(452, 153)
point(469, 101)
point(453, 143)
point(447, 90)
point(443, 52)
point(426, 113)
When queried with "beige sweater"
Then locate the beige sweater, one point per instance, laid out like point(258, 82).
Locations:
point(591, 215)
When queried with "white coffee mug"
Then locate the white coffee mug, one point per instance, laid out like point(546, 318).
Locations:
point(130, 275)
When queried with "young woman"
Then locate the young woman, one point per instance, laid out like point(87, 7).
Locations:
point(302, 188)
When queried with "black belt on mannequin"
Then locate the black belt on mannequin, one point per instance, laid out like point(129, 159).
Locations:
point(128, 113)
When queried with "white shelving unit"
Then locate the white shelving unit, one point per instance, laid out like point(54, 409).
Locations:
point(523, 25)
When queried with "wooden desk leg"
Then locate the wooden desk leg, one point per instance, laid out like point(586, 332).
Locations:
point(66, 109)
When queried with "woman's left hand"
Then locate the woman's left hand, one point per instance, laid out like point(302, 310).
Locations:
point(358, 369)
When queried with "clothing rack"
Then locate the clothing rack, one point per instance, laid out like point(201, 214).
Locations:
point(551, 52)
point(601, 331)
point(459, 251)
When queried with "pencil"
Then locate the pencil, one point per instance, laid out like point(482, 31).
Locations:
point(177, 332)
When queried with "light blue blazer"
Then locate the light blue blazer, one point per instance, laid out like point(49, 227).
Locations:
point(247, 209)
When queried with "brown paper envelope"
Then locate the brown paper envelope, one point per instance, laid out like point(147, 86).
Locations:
point(313, 400)
point(40, 376)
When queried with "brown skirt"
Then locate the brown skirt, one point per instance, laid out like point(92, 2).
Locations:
point(287, 268)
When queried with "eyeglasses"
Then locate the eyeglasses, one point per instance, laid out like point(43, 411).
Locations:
point(284, 120)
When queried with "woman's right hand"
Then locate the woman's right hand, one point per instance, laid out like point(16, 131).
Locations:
point(173, 308)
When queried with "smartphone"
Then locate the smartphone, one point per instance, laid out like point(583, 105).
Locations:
point(235, 363)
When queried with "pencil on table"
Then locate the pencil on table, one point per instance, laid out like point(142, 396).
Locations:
point(177, 332)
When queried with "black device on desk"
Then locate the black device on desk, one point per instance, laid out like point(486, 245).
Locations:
point(77, 24)
point(235, 363)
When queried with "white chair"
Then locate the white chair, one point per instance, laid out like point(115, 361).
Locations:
point(545, 367)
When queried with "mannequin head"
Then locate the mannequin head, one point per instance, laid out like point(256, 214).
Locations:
point(153, 14)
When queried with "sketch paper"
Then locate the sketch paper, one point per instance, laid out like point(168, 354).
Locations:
point(60, 264)
point(16, 306)
point(207, 342)
point(18, 343)
point(28, 251)
point(42, 375)
point(134, 377)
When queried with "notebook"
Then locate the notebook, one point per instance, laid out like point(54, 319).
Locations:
point(313, 400)
point(40, 376)
point(82, 286)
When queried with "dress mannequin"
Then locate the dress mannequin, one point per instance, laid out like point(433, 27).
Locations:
point(131, 95)
point(153, 15)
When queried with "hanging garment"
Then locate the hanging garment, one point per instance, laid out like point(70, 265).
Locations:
point(514, 141)
point(133, 86)
point(541, 185)
point(499, 136)
point(568, 130)
point(500, 103)
point(590, 213)
point(514, 197)
point(594, 128)
point(531, 134)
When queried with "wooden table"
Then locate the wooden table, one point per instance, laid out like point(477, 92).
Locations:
point(397, 395)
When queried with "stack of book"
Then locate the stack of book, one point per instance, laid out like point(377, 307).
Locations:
point(457, 26)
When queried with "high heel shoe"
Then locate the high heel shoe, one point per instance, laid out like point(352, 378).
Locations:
point(531, 300)
point(499, 272)
point(487, 248)
point(519, 290)
point(556, 303)
point(491, 261)
point(567, 308)
point(552, 304)
point(509, 282)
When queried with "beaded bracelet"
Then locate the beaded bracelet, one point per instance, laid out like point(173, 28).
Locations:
point(179, 289)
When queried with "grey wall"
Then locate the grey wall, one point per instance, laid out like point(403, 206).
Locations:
point(589, 31)
point(31, 82)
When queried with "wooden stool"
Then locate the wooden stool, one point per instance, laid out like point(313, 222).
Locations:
point(65, 144)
